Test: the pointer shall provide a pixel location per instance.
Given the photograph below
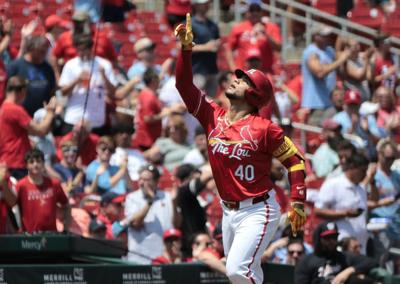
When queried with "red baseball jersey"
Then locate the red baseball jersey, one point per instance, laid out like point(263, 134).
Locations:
point(38, 204)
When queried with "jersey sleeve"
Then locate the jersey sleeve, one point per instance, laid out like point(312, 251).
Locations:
point(22, 118)
point(287, 153)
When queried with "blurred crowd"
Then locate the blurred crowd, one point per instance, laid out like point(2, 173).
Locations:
point(90, 148)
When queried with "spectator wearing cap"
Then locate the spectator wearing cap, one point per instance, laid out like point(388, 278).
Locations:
point(363, 126)
point(198, 156)
point(54, 26)
point(86, 142)
point(91, 7)
point(149, 113)
point(172, 248)
point(87, 75)
point(37, 71)
point(111, 210)
point(190, 184)
point(123, 139)
point(70, 175)
point(102, 177)
point(204, 59)
point(65, 50)
point(145, 56)
point(318, 66)
point(325, 158)
point(16, 124)
point(254, 32)
point(38, 197)
point(152, 212)
point(344, 199)
point(328, 265)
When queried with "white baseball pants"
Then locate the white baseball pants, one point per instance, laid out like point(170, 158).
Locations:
point(246, 233)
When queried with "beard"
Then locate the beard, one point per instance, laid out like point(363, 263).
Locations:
point(231, 95)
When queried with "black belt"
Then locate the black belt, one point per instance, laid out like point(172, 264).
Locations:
point(235, 205)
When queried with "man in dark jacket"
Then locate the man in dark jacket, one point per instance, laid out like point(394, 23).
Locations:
point(327, 265)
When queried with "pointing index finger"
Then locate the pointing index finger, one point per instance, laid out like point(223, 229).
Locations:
point(188, 23)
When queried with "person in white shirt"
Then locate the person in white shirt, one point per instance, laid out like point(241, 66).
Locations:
point(151, 212)
point(87, 74)
point(343, 199)
point(198, 156)
point(123, 139)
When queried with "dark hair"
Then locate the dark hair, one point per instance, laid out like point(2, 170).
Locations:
point(123, 128)
point(199, 130)
point(296, 241)
point(356, 161)
point(184, 171)
point(380, 38)
point(34, 154)
point(35, 42)
point(345, 243)
point(149, 75)
point(16, 84)
point(346, 145)
point(83, 40)
point(153, 169)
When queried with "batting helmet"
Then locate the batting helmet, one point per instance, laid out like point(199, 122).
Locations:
point(260, 93)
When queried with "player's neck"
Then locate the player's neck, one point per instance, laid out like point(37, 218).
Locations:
point(236, 113)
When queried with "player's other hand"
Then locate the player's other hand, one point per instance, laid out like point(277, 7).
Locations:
point(296, 216)
point(184, 33)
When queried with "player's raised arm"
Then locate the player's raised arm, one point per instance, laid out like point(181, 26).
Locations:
point(184, 77)
point(291, 158)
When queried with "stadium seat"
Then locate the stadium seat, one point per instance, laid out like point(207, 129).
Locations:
point(366, 16)
point(328, 6)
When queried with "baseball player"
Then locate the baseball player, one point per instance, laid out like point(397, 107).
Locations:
point(241, 145)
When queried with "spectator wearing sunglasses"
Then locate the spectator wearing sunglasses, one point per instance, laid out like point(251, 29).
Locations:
point(101, 177)
point(71, 176)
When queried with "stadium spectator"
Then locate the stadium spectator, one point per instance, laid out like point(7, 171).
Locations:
point(345, 149)
point(224, 80)
point(254, 31)
point(384, 68)
point(91, 7)
point(172, 248)
point(38, 197)
point(277, 176)
point(153, 212)
point(344, 200)
point(363, 126)
point(7, 198)
point(102, 177)
point(190, 184)
point(328, 265)
point(111, 210)
point(69, 174)
point(16, 124)
point(325, 158)
point(199, 242)
point(176, 11)
point(149, 112)
point(86, 141)
point(351, 245)
point(37, 71)
point(64, 48)
point(285, 98)
point(198, 156)
point(388, 115)
point(318, 67)
point(5, 56)
point(206, 37)
point(356, 71)
point(145, 57)
point(294, 250)
point(87, 75)
point(172, 148)
point(122, 138)
point(337, 97)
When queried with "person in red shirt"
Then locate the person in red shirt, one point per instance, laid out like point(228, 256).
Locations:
point(176, 11)
point(172, 251)
point(39, 196)
point(149, 112)
point(65, 50)
point(85, 140)
point(257, 32)
point(7, 197)
point(16, 125)
point(241, 145)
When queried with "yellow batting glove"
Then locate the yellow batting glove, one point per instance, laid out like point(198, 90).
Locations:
point(296, 216)
point(184, 33)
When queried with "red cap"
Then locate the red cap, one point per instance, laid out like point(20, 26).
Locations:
point(352, 97)
point(53, 21)
point(119, 199)
point(328, 229)
point(262, 91)
point(253, 53)
point(172, 233)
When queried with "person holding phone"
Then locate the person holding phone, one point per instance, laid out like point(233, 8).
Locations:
point(343, 199)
